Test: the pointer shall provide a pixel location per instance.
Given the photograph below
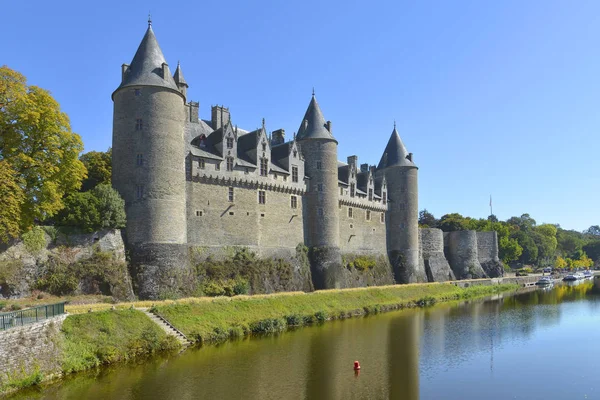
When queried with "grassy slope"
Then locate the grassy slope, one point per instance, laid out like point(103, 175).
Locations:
point(110, 336)
point(222, 318)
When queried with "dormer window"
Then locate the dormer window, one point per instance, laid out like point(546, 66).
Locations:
point(295, 153)
point(264, 146)
point(370, 194)
point(229, 163)
point(230, 143)
point(264, 167)
point(352, 190)
point(384, 197)
point(294, 173)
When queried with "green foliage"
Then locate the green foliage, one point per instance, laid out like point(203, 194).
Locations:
point(220, 319)
point(453, 222)
point(34, 240)
point(21, 380)
point(101, 273)
point(363, 262)
point(10, 274)
point(427, 220)
point(13, 197)
point(98, 165)
point(37, 142)
point(106, 337)
point(101, 208)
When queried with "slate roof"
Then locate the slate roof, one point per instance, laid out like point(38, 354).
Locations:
point(146, 67)
point(279, 152)
point(395, 153)
point(343, 172)
point(315, 128)
point(178, 76)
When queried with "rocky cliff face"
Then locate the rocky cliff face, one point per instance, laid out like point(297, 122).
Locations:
point(23, 269)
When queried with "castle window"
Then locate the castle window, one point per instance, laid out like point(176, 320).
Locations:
point(199, 213)
point(382, 218)
point(294, 202)
point(295, 153)
point(370, 194)
point(320, 212)
point(262, 215)
point(201, 163)
point(229, 163)
point(275, 176)
point(137, 92)
point(139, 124)
point(246, 170)
point(341, 191)
point(218, 166)
point(231, 213)
point(368, 215)
point(349, 212)
point(264, 166)
point(319, 187)
point(230, 195)
point(262, 197)
point(139, 191)
point(264, 146)
point(294, 173)
point(384, 197)
point(139, 159)
point(285, 178)
point(230, 143)
point(352, 190)
point(319, 165)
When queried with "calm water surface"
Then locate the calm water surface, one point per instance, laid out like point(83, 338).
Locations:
point(543, 344)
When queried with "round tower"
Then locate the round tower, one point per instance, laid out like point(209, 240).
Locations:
point(403, 211)
point(321, 213)
point(149, 165)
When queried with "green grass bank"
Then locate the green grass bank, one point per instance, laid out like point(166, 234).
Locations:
point(224, 318)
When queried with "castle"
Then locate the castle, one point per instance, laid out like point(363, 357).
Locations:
point(193, 182)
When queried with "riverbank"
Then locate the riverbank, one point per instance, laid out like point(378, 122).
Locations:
point(225, 318)
point(93, 339)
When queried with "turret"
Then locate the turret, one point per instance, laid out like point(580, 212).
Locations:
point(402, 227)
point(321, 213)
point(180, 81)
point(149, 163)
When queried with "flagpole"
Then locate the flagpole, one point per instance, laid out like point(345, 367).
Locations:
point(491, 210)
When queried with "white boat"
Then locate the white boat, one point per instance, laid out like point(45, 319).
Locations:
point(574, 277)
point(545, 280)
point(588, 274)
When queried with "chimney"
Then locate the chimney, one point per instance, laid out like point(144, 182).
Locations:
point(277, 137)
point(194, 111)
point(409, 157)
point(328, 126)
point(364, 167)
point(352, 161)
point(165, 70)
point(124, 69)
point(219, 116)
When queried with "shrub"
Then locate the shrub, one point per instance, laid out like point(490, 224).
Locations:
point(321, 316)
point(294, 320)
point(34, 240)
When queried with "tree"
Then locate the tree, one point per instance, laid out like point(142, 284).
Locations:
point(593, 230)
point(37, 143)
point(569, 243)
point(12, 198)
point(99, 168)
point(453, 222)
point(592, 249)
point(427, 220)
point(524, 222)
point(100, 208)
point(530, 250)
point(544, 237)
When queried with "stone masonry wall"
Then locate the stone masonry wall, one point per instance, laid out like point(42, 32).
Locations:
point(359, 235)
point(487, 251)
point(432, 249)
point(460, 248)
point(30, 349)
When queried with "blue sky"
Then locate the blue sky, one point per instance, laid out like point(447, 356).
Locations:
point(492, 97)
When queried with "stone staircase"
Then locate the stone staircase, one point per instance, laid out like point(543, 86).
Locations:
point(167, 327)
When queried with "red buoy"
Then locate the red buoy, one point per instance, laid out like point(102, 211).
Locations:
point(356, 365)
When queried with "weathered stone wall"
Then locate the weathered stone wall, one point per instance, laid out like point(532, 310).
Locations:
point(359, 234)
point(487, 251)
point(460, 248)
point(30, 349)
point(69, 248)
point(432, 249)
point(215, 221)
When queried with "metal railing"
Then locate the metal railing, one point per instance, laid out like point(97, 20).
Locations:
point(30, 315)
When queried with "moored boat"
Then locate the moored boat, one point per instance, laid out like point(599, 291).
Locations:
point(545, 280)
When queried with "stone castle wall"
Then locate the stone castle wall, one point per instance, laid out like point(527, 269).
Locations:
point(432, 251)
point(359, 234)
point(31, 349)
point(460, 248)
point(487, 252)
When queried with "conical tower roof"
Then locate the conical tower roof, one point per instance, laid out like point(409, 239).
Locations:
point(395, 154)
point(314, 127)
point(178, 76)
point(146, 67)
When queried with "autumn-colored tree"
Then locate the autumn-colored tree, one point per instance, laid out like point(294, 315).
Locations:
point(37, 143)
point(11, 199)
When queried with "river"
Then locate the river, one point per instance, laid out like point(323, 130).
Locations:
point(541, 344)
